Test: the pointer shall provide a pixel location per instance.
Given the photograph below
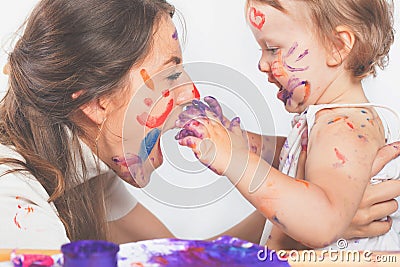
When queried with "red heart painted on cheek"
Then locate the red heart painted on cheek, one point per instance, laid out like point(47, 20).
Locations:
point(257, 18)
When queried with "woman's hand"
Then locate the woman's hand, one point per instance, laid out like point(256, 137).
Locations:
point(377, 204)
point(378, 201)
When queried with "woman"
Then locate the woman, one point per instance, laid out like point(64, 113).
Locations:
point(72, 75)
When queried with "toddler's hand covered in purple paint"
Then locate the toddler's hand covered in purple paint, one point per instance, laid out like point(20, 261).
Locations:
point(213, 138)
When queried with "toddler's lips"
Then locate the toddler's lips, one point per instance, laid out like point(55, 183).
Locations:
point(282, 94)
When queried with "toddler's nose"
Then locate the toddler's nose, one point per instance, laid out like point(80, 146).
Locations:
point(264, 66)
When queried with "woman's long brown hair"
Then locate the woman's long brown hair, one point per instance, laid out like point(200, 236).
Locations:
point(68, 46)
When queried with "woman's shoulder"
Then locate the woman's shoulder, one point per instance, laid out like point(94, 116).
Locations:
point(17, 183)
point(28, 220)
point(21, 183)
point(26, 215)
point(8, 151)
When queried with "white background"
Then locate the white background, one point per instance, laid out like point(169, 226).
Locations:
point(216, 32)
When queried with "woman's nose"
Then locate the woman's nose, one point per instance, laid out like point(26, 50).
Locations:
point(186, 93)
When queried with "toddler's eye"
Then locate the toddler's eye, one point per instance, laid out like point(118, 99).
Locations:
point(273, 50)
point(174, 76)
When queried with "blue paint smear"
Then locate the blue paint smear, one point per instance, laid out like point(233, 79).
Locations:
point(148, 143)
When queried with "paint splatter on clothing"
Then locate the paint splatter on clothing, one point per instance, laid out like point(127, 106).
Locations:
point(29, 221)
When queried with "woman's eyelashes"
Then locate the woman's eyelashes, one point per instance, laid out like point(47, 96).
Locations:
point(174, 76)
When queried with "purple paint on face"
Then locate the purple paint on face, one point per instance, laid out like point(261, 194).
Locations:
point(286, 96)
point(305, 53)
point(290, 52)
point(175, 35)
point(292, 49)
point(287, 93)
point(127, 161)
point(293, 69)
point(134, 164)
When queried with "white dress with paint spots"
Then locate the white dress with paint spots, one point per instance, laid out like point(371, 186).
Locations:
point(27, 220)
point(302, 126)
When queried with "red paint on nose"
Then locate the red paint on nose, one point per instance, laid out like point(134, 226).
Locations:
point(195, 92)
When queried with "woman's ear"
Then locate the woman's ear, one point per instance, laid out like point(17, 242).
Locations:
point(342, 46)
point(96, 110)
point(6, 69)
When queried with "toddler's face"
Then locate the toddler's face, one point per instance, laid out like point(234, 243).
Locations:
point(293, 58)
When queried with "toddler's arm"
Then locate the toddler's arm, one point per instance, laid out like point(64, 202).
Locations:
point(315, 212)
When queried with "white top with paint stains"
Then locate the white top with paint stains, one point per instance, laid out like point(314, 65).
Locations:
point(27, 220)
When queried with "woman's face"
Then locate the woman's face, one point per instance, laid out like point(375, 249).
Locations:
point(156, 89)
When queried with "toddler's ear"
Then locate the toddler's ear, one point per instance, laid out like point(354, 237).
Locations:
point(342, 46)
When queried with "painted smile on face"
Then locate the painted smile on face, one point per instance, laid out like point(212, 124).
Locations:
point(156, 121)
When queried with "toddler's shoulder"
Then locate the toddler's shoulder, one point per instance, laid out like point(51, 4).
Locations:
point(362, 124)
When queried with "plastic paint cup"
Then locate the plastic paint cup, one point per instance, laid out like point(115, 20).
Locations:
point(90, 253)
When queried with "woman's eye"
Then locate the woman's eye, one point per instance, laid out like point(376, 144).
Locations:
point(174, 76)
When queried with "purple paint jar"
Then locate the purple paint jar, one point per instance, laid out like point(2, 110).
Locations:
point(90, 253)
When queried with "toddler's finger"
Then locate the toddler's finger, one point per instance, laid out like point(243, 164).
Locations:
point(183, 133)
point(186, 116)
point(197, 128)
point(191, 112)
point(234, 126)
point(200, 105)
point(194, 128)
point(191, 142)
point(215, 107)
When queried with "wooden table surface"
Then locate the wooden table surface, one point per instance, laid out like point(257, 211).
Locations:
point(5, 253)
point(372, 259)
